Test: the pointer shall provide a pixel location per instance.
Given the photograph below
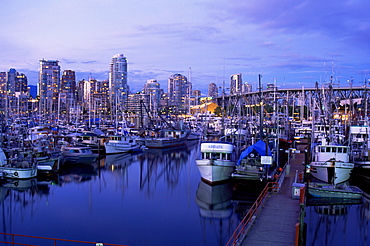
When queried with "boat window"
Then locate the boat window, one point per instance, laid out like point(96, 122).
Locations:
point(334, 149)
point(345, 150)
point(322, 149)
point(327, 149)
point(340, 150)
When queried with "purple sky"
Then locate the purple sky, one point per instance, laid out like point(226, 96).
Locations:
point(295, 43)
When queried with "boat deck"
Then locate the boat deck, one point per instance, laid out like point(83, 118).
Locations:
point(275, 224)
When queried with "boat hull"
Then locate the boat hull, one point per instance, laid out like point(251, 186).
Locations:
point(329, 191)
point(216, 171)
point(117, 148)
point(329, 172)
point(18, 173)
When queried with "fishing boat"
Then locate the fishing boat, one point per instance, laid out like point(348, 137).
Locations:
point(360, 146)
point(217, 161)
point(78, 155)
point(166, 138)
point(330, 163)
point(117, 144)
point(255, 163)
point(343, 191)
point(18, 166)
point(47, 162)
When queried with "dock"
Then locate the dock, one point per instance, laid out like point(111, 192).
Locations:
point(276, 223)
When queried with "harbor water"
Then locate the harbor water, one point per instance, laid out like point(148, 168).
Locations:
point(150, 198)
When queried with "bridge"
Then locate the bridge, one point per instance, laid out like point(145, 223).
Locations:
point(296, 97)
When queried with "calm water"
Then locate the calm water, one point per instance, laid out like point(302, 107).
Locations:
point(152, 198)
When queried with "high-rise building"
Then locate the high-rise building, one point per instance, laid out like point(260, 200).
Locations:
point(179, 91)
point(16, 82)
point(212, 90)
point(118, 86)
point(13, 86)
point(48, 87)
point(236, 84)
point(153, 89)
point(247, 88)
point(67, 96)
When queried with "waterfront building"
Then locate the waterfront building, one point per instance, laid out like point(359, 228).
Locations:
point(179, 92)
point(236, 84)
point(48, 87)
point(118, 86)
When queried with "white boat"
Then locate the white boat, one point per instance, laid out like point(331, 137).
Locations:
point(121, 144)
point(330, 163)
point(78, 154)
point(217, 161)
point(166, 138)
point(17, 167)
point(360, 146)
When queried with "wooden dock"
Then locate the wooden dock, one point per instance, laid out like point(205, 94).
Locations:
point(276, 222)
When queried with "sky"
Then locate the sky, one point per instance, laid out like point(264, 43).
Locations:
point(291, 43)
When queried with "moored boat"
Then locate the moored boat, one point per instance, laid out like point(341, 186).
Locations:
point(19, 166)
point(330, 163)
point(217, 161)
point(255, 163)
point(117, 144)
point(166, 138)
point(334, 191)
point(78, 155)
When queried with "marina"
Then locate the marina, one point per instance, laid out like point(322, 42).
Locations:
point(132, 194)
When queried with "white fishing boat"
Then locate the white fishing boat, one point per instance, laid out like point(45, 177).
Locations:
point(19, 166)
point(217, 161)
point(360, 146)
point(121, 144)
point(330, 163)
point(166, 138)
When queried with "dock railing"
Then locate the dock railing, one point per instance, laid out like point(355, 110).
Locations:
point(248, 219)
point(17, 239)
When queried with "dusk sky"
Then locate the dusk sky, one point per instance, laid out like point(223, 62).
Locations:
point(296, 42)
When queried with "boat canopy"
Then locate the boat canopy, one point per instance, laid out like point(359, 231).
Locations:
point(260, 147)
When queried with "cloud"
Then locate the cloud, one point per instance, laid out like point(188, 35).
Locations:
point(346, 20)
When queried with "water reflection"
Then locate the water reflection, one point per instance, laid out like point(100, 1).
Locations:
point(162, 164)
point(338, 223)
point(216, 210)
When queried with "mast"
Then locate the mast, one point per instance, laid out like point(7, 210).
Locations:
point(261, 106)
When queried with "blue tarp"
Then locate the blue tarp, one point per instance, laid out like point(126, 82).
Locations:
point(260, 147)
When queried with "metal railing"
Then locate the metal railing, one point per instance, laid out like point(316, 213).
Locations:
point(251, 215)
point(16, 239)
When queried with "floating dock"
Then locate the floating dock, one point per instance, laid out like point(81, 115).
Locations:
point(276, 223)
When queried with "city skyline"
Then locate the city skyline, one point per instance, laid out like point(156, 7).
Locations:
point(292, 43)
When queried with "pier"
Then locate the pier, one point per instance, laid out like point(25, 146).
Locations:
point(276, 220)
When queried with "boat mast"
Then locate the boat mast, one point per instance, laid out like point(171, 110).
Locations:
point(261, 106)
